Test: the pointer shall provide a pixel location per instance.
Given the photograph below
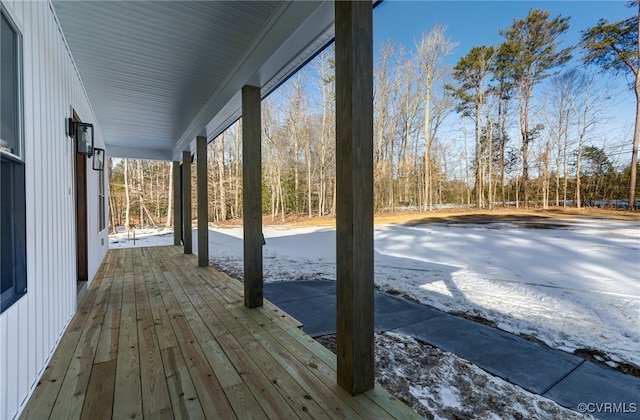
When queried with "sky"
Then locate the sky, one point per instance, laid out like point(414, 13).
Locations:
point(475, 23)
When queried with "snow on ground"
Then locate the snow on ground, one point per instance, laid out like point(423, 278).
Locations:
point(143, 237)
point(573, 286)
point(437, 384)
point(440, 385)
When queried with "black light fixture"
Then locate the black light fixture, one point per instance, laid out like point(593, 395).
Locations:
point(83, 134)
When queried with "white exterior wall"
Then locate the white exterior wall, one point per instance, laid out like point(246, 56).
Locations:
point(32, 327)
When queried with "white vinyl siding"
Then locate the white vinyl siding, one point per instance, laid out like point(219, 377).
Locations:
point(31, 328)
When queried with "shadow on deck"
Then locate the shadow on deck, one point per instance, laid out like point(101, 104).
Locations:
point(157, 336)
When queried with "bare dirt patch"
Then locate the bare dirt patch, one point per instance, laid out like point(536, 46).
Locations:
point(601, 358)
point(532, 218)
point(541, 219)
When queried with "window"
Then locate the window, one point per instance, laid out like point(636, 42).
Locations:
point(101, 207)
point(13, 250)
point(9, 133)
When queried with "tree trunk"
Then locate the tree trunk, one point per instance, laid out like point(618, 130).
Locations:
point(636, 138)
point(309, 179)
point(170, 199)
point(140, 194)
point(427, 143)
point(236, 192)
point(578, 163)
point(221, 187)
point(113, 217)
point(126, 195)
point(490, 162)
point(545, 178)
point(478, 157)
point(525, 152)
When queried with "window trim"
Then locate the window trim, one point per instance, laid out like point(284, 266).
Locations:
point(17, 157)
point(8, 14)
point(20, 278)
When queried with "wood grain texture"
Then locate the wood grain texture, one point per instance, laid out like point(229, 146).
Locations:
point(177, 204)
point(128, 394)
point(187, 234)
point(203, 201)
point(98, 404)
point(354, 195)
point(252, 196)
point(188, 348)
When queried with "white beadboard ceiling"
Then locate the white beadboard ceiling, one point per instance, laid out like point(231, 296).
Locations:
point(160, 73)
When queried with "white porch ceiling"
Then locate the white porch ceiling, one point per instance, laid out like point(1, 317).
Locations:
point(160, 73)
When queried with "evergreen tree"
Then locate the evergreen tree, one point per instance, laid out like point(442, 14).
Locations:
point(472, 72)
point(533, 50)
point(616, 47)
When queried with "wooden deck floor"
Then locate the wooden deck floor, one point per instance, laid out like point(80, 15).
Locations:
point(158, 337)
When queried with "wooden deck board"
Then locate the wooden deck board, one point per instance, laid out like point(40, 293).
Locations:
point(99, 401)
point(159, 337)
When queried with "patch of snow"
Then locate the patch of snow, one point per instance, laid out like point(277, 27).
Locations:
point(140, 238)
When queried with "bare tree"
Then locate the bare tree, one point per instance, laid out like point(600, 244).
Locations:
point(222, 191)
point(431, 50)
point(563, 93)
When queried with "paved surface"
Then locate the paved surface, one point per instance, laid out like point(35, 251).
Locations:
point(567, 379)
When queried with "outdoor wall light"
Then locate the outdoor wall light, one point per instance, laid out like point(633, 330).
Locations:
point(98, 159)
point(83, 134)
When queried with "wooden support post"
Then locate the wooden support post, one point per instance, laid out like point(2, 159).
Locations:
point(252, 196)
point(177, 205)
point(186, 202)
point(354, 189)
point(203, 202)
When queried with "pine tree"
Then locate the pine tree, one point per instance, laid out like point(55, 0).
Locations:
point(532, 44)
point(616, 47)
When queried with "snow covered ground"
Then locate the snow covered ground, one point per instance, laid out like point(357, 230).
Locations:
point(143, 237)
point(573, 285)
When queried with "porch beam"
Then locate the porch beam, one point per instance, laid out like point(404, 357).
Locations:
point(186, 202)
point(203, 201)
point(252, 196)
point(354, 178)
point(177, 204)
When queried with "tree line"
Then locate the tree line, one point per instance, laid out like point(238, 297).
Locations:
point(515, 124)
